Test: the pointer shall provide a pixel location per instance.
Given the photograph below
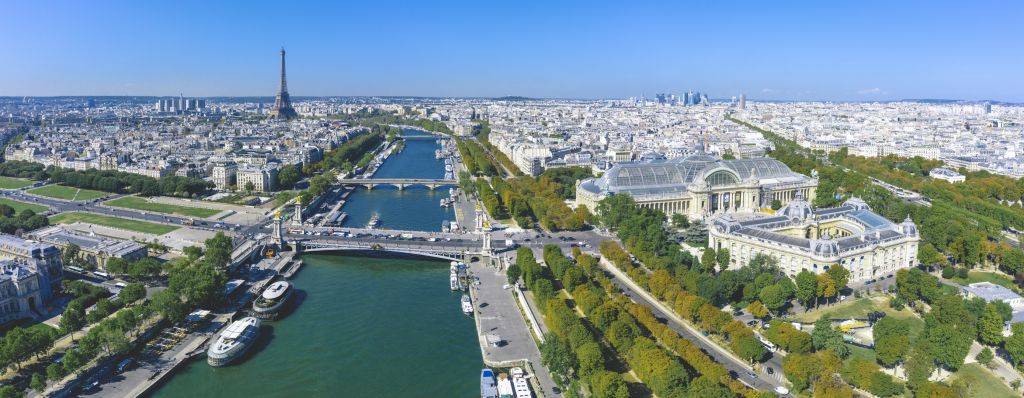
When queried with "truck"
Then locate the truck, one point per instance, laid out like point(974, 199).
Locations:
point(406, 236)
point(509, 243)
point(188, 221)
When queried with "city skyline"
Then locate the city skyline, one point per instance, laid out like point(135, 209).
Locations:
point(874, 52)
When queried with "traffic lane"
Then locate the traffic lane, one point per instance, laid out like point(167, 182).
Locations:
point(740, 369)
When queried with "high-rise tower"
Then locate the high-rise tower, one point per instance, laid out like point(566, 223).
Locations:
point(283, 103)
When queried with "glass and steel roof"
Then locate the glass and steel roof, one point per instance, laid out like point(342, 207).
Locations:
point(664, 176)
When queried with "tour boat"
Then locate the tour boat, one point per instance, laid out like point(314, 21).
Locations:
point(233, 342)
point(273, 300)
point(488, 388)
point(467, 305)
point(520, 385)
point(455, 282)
point(504, 386)
point(374, 222)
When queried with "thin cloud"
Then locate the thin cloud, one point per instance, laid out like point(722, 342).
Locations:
point(767, 90)
point(872, 91)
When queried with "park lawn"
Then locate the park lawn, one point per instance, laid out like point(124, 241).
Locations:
point(137, 203)
point(986, 384)
point(860, 352)
point(113, 222)
point(859, 308)
point(991, 277)
point(14, 183)
point(20, 206)
point(68, 193)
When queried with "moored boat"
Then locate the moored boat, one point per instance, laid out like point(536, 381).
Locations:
point(467, 305)
point(273, 300)
point(233, 342)
point(455, 282)
point(488, 388)
point(374, 222)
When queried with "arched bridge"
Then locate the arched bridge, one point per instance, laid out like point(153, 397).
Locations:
point(401, 183)
point(442, 250)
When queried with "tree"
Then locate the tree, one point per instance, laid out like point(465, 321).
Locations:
point(722, 257)
point(609, 384)
point(192, 252)
point(1014, 344)
point(990, 326)
point(249, 186)
point(132, 292)
point(840, 276)
point(73, 317)
point(707, 387)
point(985, 356)
point(557, 357)
point(806, 288)
point(170, 306)
point(38, 382)
point(826, 287)
point(776, 204)
point(288, 176)
point(70, 255)
point(513, 272)
point(825, 337)
point(757, 309)
point(773, 297)
point(680, 221)
point(707, 260)
point(892, 340)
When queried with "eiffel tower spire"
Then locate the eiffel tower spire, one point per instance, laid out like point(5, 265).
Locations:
point(283, 103)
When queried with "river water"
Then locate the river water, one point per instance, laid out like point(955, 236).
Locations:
point(364, 327)
point(415, 208)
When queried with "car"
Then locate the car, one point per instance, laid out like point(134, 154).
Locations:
point(869, 281)
point(770, 371)
point(781, 390)
point(92, 384)
point(752, 322)
point(125, 365)
point(751, 374)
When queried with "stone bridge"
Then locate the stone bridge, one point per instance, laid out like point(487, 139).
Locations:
point(401, 183)
point(443, 250)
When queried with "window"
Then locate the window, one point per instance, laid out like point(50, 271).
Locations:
point(721, 177)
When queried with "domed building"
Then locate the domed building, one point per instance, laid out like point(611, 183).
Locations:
point(802, 238)
point(699, 185)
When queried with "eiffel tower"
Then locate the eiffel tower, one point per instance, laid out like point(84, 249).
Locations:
point(283, 103)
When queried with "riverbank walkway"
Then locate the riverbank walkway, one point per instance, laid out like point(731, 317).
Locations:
point(498, 314)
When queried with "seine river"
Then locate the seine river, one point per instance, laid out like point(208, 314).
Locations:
point(365, 327)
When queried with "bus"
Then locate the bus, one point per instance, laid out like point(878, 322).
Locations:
point(102, 274)
point(767, 344)
point(75, 269)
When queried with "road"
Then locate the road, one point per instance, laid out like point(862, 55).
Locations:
point(763, 381)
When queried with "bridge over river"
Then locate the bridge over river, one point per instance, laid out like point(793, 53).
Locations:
point(401, 183)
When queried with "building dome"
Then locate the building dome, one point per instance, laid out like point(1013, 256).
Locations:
point(797, 209)
point(857, 203)
point(825, 248)
point(908, 227)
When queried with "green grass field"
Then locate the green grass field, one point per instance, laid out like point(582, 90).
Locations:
point(859, 308)
point(114, 222)
point(67, 193)
point(135, 202)
point(986, 384)
point(14, 183)
point(19, 206)
point(991, 277)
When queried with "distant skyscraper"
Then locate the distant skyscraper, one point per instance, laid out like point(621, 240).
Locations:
point(283, 103)
point(743, 101)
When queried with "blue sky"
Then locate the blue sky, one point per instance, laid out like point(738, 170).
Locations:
point(814, 50)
